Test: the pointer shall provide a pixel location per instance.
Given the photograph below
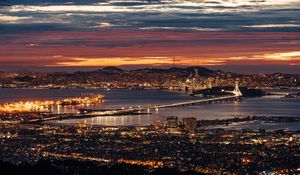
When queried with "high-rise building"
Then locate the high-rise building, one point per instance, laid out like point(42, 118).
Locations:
point(172, 122)
point(190, 124)
point(196, 73)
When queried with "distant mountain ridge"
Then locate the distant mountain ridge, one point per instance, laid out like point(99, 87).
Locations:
point(201, 70)
point(110, 74)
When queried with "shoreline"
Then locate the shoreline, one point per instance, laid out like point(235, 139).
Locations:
point(225, 124)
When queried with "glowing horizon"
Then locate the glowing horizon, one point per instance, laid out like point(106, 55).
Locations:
point(140, 33)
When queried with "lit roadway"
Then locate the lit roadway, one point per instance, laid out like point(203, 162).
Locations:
point(196, 102)
point(236, 93)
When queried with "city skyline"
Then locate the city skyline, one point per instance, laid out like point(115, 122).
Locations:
point(149, 87)
point(238, 36)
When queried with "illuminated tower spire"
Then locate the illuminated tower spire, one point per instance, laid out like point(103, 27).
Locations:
point(236, 90)
point(196, 72)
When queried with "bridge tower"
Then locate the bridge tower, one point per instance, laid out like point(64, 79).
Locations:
point(196, 73)
point(236, 90)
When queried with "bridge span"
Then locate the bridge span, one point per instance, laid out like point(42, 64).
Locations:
point(135, 110)
point(236, 93)
point(195, 102)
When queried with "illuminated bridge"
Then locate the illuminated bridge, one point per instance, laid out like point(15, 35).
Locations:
point(195, 102)
point(236, 93)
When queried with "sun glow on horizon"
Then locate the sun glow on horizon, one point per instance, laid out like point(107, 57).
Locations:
point(286, 58)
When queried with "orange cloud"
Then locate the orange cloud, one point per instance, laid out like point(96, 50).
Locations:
point(150, 47)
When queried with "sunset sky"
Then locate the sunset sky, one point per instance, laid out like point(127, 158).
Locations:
point(234, 35)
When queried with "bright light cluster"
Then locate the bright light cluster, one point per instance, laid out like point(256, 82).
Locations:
point(46, 106)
